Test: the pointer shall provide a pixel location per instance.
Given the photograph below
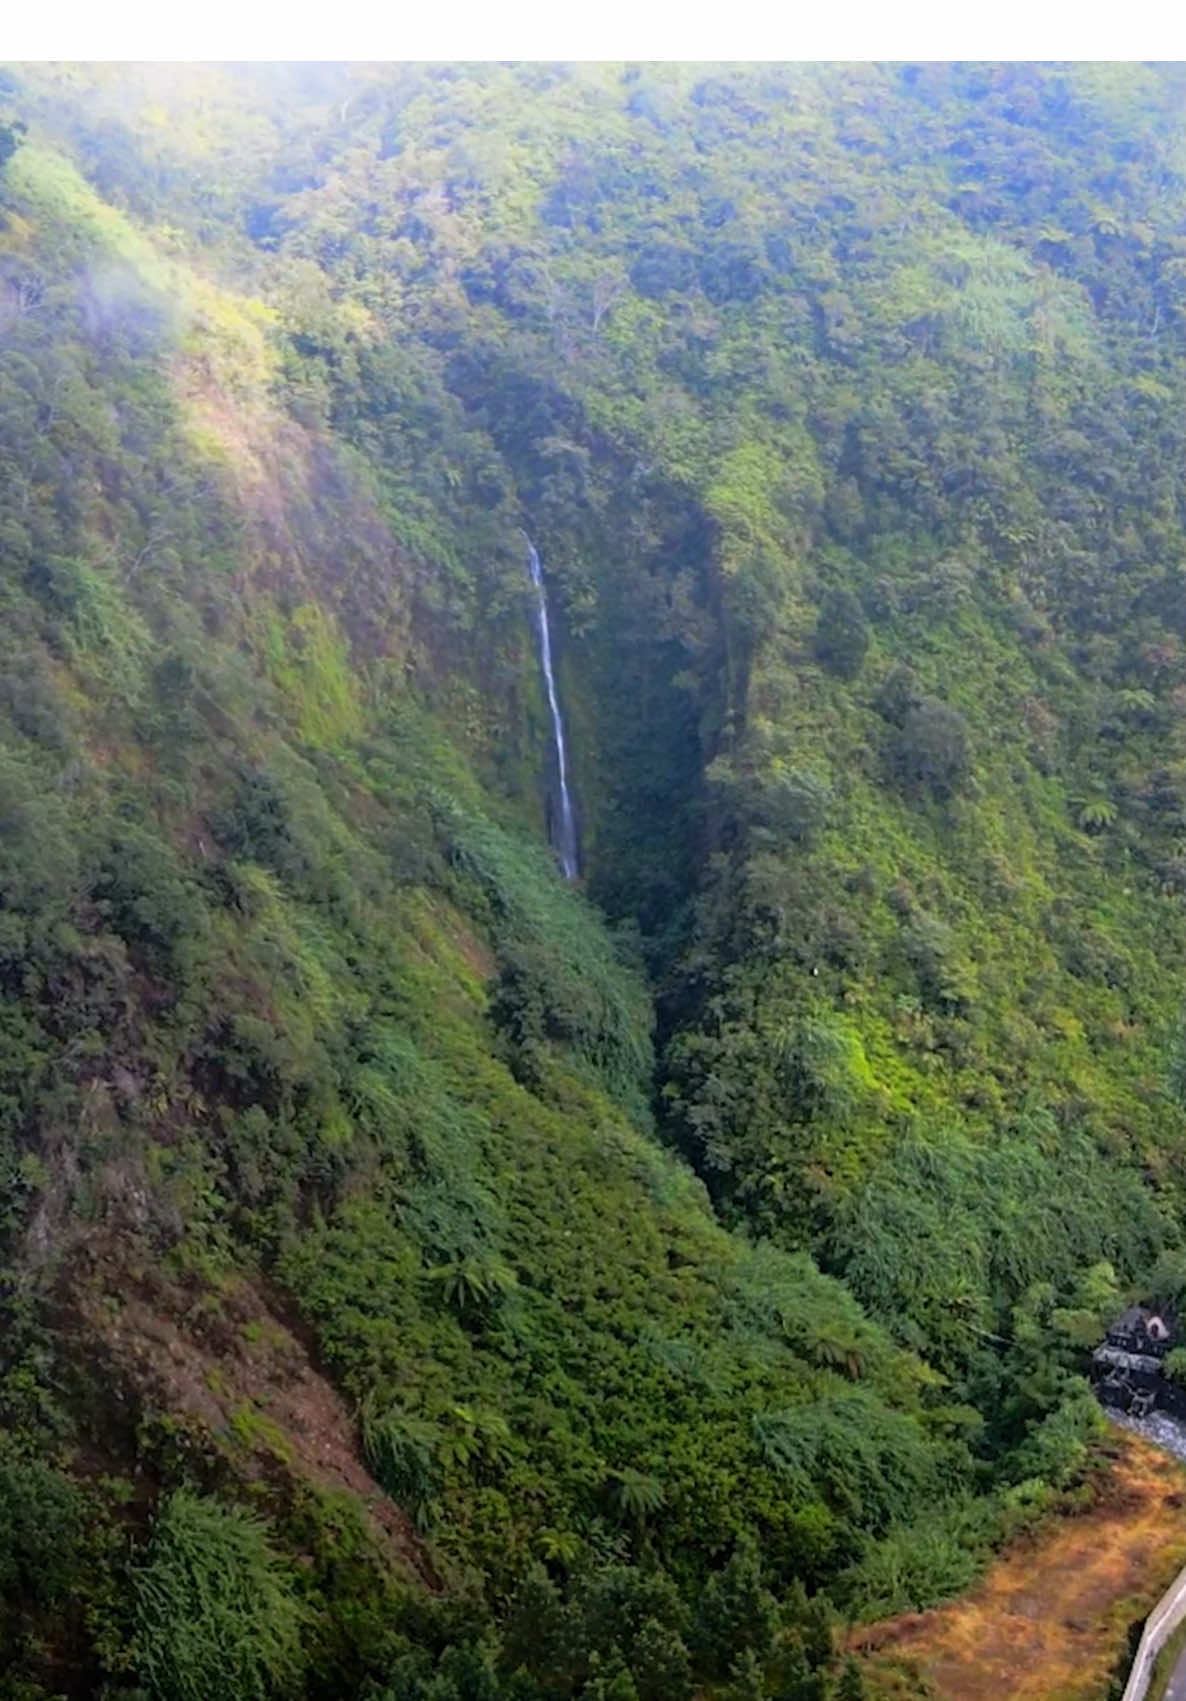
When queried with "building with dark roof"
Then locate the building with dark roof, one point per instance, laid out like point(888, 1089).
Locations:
point(1127, 1370)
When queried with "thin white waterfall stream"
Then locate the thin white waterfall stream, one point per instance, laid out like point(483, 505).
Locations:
point(564, 828)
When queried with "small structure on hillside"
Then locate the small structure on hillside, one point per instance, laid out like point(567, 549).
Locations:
point(1128, 1370)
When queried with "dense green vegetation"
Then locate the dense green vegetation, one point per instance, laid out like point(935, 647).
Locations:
point(708, 1255)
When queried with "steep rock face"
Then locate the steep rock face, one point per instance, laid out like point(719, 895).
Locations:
point(849, 442)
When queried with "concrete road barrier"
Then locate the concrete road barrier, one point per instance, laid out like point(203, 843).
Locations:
point(1159, 1627)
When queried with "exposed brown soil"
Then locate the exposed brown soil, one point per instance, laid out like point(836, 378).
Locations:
point(1051, 1619)
point(243, 1374)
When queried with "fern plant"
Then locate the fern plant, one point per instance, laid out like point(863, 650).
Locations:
point(216, 1608)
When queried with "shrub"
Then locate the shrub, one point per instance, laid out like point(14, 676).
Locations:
point(464, 1672)
point(1055, 1450)
point(216, 1610)
point(402, 1451)
point(931, 753)
point(40, 1520)
point(141, 891)
point(660, 1665)
point(737, 1613)
point(1168, 1283)
point(1175, 1365)
point(912, 1568)
point(794, 806)
point(842, 635)
point(946, 979)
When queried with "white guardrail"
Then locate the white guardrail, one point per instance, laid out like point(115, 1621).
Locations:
point(1159, 1627)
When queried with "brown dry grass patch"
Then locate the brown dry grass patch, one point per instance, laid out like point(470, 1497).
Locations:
point(1051, 1618)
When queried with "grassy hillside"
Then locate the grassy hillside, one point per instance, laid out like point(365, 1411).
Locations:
point(422, 1278)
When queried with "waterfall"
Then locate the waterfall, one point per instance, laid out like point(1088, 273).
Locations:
point(564, 829)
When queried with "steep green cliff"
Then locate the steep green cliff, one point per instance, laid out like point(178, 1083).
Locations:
point(421, 1277)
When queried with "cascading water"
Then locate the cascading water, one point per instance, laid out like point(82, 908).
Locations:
point(564, 822)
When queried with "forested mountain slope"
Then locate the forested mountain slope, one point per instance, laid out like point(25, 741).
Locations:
point(422, 1277)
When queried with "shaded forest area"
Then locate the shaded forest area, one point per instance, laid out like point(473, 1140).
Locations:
point(422, 1279)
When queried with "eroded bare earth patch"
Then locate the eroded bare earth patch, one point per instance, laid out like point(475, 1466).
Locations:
point(242, 1373)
